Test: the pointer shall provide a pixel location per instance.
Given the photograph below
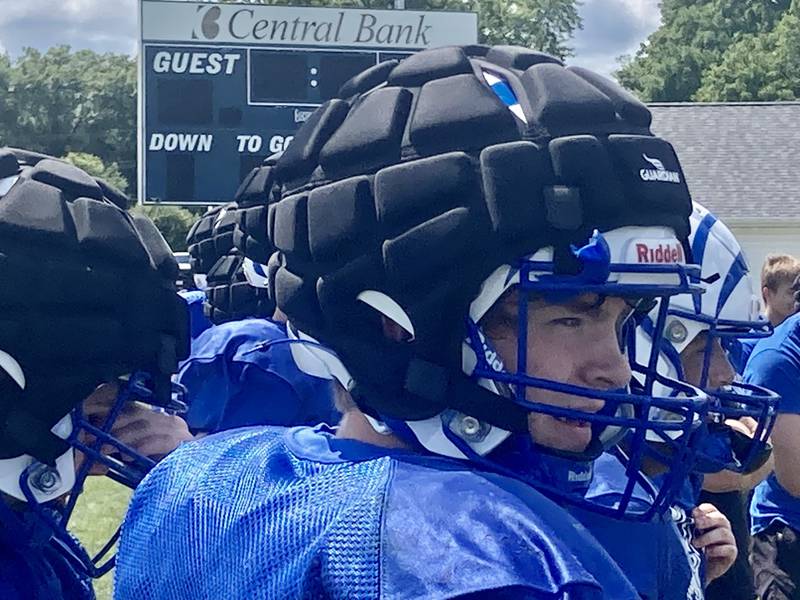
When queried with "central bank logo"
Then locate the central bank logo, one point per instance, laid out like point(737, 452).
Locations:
point(658, 172)
point(207, 27)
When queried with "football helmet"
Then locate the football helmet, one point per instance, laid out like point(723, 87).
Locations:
point(88, 298)
point(429, 189)
point(222, 272)
point(728, 311)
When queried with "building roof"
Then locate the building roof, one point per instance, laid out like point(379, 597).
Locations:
point(740, 159)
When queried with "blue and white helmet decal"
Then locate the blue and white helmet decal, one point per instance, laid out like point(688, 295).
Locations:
point(730, 303)
point(255, 273)
point(505, 93)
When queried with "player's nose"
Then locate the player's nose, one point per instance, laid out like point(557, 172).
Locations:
point(607, 367)
point(720, 370)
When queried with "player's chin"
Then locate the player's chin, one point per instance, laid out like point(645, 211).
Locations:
point(560, 433)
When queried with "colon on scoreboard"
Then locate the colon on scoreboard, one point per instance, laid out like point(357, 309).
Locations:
point(304, 77)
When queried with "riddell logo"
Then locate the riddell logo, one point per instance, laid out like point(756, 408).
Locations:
point(208, 26)
point(663, 253)
point(658, 172)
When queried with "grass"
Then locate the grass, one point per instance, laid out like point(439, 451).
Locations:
point(97, 515)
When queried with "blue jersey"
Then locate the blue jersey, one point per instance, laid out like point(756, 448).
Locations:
point(241, 373)
point(32, 567)
point(775, 364)
point(198, 321)
point(298, 513)
point(657, 556)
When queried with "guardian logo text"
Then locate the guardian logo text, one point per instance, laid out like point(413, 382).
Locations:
point(658, 172)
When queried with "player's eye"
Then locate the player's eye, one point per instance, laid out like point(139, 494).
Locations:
point(571, 322)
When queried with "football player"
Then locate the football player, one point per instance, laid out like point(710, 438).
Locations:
point(92, 328)
point(241, 372)
point(733, 453)
point(462, 238)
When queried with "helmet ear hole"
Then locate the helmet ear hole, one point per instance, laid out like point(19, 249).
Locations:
point(396, 322)
point(10, 365)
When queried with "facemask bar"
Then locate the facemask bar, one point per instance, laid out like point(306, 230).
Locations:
point(125, 466)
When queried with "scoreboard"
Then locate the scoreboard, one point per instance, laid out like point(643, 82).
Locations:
point(224, 85)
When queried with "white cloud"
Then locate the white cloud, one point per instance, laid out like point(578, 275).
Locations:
point(612, 28)
point(100, 25)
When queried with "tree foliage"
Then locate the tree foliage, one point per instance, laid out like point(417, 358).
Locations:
point(173, 222)
point(61, 101)
point(694, 37)
point(758, 67)
point(82, 105)
point(95, 166)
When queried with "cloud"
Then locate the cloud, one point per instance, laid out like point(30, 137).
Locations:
point(99, 25)
point(612, 28)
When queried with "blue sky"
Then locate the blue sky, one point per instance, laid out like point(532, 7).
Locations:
point(611, 27)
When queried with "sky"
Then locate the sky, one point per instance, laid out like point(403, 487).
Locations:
point(611, 27)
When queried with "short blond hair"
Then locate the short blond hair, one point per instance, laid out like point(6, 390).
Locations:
point(779, 269)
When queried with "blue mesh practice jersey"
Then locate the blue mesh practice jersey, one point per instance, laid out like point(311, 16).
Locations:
point(264, 513)
point(241, 373)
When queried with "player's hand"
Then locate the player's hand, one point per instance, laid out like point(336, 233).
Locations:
point(150, 433)
point(715, 539)
point(744, 425)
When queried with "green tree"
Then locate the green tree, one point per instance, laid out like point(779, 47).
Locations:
point(758, 67)
point(545, 25)
point(95, 166)
point(61, 101)
point(693, 37)
point(173, 222)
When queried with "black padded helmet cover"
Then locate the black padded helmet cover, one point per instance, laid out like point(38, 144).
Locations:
point(87, 295)
point(214, 253)
point(421, 187)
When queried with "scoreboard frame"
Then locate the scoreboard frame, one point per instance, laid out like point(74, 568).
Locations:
point(203, 29)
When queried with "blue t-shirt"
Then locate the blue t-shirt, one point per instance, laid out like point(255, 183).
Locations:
point(775, 364)
point(32, 566)
point(657, 556)
point(298, 513)
point(241, 373)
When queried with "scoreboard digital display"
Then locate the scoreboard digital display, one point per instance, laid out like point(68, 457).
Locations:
point(223, 86)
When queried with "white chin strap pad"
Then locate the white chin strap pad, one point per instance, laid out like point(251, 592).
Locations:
point(12, 468)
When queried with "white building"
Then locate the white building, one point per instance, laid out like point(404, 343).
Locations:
point(741, 161)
